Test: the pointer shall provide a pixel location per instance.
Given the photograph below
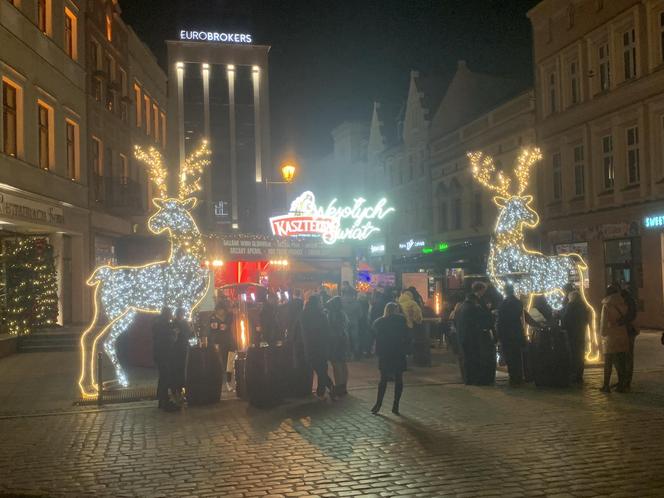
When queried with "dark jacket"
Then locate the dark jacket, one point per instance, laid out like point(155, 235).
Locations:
point(339, 341)
point(630, 316)
point(293, 313)
point(315, 335)
point(221, 329)
point(392, 338)
point(509, 324)
point(180, 350)
point(378, 306)
point(472, 319)
point(270, 330)
point(575, 319)
point(163, 341)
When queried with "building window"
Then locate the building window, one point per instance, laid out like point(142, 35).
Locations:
point(43, 16)
point(72, 149)
point(146, 101)
point(443, 225)
point(456, 213)
point(163, 129)
point(552, 93)
point(604, 67)
point(45, 144)
point(633, 160)
point(109, 69)
point(124, 166)
point(9, 119)
point(556, 169)
point(608, 172)
point(155, 128)
point(579, 173)
point(124, 110)
point(109, 27)
point(97, 163)
point(477, 209)
point(94, 63)
point(574, 82)
point(661, 36)
point(71, 34)
point(137, 104)
point(629, 54)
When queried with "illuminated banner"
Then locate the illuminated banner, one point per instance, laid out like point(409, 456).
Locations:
point(214, 36)
point(332, 223)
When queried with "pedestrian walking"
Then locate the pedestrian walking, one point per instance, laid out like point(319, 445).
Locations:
point(391, 345)
point(614, 337)
point(339, 344)
point(365, 329)
point(222, 334)
point(632, 331)
point(183, 333)
point(509, 328)
point(163, 342)
point(473, 323)
point(316, 341)
point(575, 319)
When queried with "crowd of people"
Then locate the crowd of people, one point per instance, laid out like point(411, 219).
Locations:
point(484, 319)
point(327, 331)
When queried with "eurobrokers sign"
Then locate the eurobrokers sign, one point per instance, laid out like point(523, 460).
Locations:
point(332, 223)
point(214, 36)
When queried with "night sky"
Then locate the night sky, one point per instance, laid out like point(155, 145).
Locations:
point(331, 59)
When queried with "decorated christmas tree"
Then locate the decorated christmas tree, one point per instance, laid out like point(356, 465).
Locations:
point(31, 285)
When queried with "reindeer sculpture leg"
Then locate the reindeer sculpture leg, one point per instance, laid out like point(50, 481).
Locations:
point(86, 380)
point(120, 325)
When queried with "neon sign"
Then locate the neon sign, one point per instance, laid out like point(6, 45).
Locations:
point(331, 223)
point(656, 221)
point(214, 36)
point(411, 244)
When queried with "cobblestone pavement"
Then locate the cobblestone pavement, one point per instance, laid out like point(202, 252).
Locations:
point(451, 440)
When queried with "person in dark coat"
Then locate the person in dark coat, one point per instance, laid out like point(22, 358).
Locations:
point(632, 332)
point(180, 349)
point(391, 346)
point(509, 328)
point(270, 331)
point(222, 333)
point(473, 323)
point(163, 342)
point(316, 341)
point(575, 319)
point(339, 344)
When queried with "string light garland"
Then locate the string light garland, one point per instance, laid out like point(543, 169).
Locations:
point(181, 281)
point(510, 261)
point(31, 283)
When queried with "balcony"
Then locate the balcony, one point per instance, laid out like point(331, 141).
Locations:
point(121, 195)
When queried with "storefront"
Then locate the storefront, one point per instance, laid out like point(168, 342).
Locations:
point(626, 250)
point(279, 263)
point(62, 230)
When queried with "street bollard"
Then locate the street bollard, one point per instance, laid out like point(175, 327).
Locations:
point(100, 390)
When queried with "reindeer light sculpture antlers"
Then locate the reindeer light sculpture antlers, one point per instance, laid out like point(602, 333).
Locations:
point(510, 261)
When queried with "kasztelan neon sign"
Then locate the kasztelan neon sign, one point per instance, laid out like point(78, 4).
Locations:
point(307, 219)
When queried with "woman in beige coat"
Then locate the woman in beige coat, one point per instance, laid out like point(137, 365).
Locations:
point(614, 337)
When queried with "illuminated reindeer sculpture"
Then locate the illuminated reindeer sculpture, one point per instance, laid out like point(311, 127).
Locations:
point(510, 261)
point(180, 281)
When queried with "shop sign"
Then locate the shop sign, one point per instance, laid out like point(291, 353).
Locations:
point(440, 247)
point(259, 247)
point(654, 221)
point(377, 249)
point(332, 223)
point(411, 244)
point(17, 207)
point(615, 230)
point(214, 36)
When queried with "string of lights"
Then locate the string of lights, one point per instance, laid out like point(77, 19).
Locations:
point(510, 261)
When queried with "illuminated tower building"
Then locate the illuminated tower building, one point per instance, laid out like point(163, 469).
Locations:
point(218, 89)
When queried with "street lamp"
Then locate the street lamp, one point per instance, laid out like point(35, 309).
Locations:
point(288, 172)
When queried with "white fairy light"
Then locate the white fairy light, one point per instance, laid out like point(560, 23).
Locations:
point(510, 261)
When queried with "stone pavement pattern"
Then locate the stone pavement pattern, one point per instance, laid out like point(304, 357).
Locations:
point(452, 440)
